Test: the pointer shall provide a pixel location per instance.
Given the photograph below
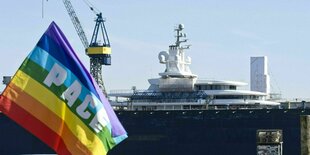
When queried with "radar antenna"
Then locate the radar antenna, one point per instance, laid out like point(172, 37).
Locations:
point(180, 35)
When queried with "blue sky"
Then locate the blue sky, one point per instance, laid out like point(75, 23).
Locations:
point(224, 34)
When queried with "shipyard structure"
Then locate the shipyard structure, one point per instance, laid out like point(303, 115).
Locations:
point(181, 114)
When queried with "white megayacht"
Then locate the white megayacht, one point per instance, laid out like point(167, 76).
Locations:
point(179, 89)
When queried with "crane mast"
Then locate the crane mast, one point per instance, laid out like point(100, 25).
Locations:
point(76, 22)
point(98, 52)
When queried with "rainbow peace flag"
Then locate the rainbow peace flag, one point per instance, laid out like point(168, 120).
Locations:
point(54, 97)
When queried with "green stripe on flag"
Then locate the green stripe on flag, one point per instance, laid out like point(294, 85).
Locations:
point(39, 74)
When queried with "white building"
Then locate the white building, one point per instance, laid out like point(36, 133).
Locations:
point(260, 80)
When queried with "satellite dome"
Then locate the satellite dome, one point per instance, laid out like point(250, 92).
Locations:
point(181, 26)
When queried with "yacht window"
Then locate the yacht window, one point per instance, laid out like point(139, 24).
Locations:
point(151, 108)
point(143, 108)
point(197, 107)
point(177, 107)
point(186, 107)
point(231, 87)
point(230, 97)
point(169, 107)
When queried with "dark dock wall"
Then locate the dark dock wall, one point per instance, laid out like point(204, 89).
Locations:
point(212, 132)
point(16, 140)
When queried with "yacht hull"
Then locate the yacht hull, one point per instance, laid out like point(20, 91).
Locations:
point(212, 132)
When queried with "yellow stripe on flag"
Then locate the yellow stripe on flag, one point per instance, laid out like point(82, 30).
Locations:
point(47, 117)
point(57, 106)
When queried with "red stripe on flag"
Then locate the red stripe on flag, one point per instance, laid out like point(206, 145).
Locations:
point(44, 115)
point(33, 125)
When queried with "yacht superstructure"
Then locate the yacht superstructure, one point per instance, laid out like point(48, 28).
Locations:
point(179, 89)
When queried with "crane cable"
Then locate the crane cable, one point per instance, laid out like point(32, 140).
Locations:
point(43, 8)
point(91, 6)
point(87, 2)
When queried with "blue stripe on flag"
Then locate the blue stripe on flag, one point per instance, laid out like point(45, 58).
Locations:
point(63, 56)
point(46, 61)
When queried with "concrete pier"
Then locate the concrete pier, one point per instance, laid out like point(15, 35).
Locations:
point(305, 134)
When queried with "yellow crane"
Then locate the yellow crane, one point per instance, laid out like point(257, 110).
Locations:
point(99, 52)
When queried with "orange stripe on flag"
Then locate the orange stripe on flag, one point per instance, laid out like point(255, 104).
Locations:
point(47, 117)
point(59, 108)
point(36, 127)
